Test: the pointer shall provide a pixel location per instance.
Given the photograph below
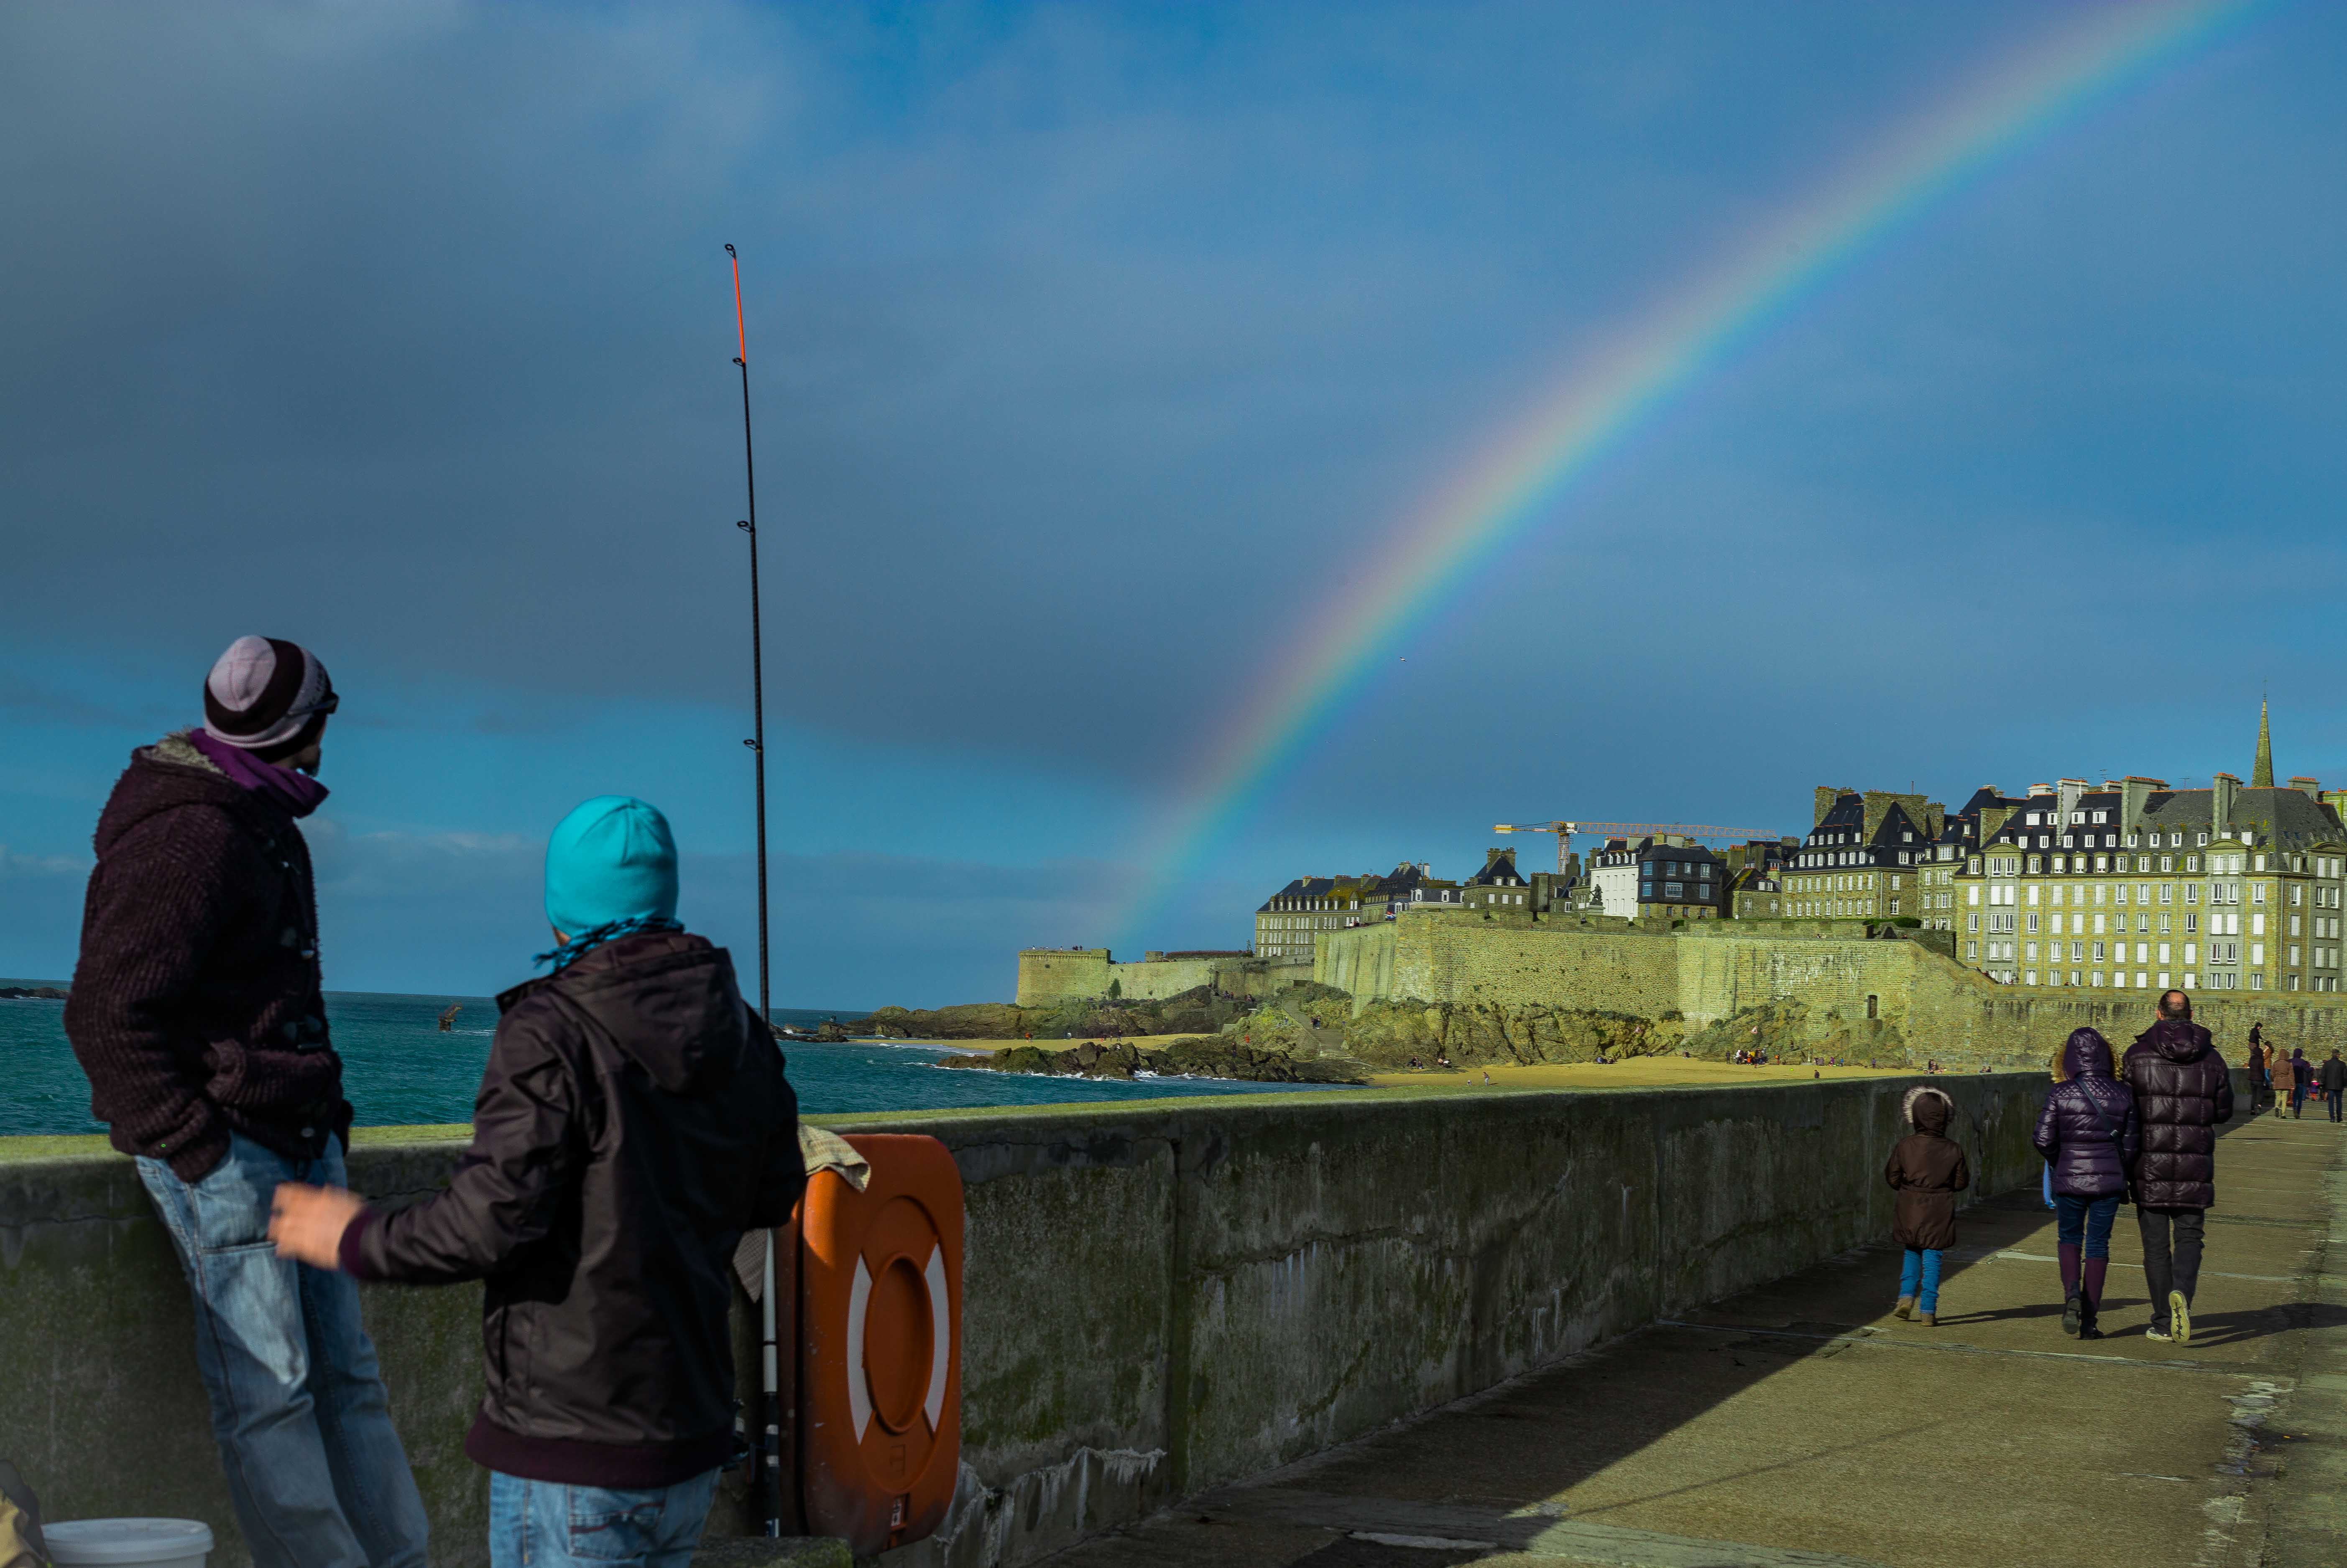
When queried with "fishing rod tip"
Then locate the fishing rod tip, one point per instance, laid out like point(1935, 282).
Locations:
point(729, 250)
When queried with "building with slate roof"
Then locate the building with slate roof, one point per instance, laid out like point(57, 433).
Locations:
point(2132, 885)
point(1659, 877)
point(1864, 856)
point(1499, 885)
point(1286, 921)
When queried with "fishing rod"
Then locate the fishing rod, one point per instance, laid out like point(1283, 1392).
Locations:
point(769, 1470)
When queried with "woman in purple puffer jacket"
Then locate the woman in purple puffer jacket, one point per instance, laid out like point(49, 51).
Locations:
point(2089, 1136)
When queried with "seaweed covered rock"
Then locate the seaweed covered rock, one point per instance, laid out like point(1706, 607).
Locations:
point(1211, 1056)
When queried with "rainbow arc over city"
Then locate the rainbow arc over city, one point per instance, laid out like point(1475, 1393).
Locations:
point(1521, 479)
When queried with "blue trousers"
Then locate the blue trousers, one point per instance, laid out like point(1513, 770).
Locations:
point(2085, 1221)
point(549, 1524)
point(1919, 1277)
point(315, 1471)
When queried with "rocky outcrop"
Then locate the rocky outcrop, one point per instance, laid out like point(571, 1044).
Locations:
point(1195, 1012)
point(1209, 1057)
point(31, 993)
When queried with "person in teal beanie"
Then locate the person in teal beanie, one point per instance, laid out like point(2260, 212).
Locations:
point(634, 1121)
point(611, 871)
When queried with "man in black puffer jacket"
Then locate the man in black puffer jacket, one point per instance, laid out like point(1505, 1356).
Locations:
point(2182, 1093)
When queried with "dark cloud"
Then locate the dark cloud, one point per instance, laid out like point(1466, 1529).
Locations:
point(1094, 350)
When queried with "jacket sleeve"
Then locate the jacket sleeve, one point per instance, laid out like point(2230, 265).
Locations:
point(2131, 1139)
point(1962, 1177)
point(2224, 1094)
point(527, 1147)
point(2046, 1139)
point(782, 1174)
point(1894, 1173)
point(157, 905)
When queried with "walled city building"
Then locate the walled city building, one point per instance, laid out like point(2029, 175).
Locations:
point(2134, 885)
point(1863, 857)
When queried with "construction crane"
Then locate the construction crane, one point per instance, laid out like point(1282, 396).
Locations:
point(1566, 830)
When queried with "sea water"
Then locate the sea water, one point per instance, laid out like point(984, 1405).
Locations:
point(399, 1069)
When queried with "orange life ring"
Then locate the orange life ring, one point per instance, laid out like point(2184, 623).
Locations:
point(880, 1384)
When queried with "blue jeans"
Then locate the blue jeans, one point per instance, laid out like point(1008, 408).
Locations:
point(314, 1468)
point(549, 1524)
point(1919, 1277)
point(2086, 1218)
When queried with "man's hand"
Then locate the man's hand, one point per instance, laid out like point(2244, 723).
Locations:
point(307, 1222)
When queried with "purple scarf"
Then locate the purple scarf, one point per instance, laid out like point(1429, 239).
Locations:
point(298, 793)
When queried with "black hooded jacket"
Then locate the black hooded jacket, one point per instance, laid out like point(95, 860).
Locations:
point(2182, 1093)
point(632, 1123)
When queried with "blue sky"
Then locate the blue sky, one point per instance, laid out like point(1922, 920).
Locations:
point(1090, 344)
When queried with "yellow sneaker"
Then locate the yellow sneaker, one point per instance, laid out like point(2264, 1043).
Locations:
point(2179, 1317)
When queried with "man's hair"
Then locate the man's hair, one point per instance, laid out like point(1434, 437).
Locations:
point(2175, 1004)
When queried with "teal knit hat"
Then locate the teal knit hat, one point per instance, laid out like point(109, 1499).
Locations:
point(612, 858)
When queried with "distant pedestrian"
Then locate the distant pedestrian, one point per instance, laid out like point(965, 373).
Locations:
point(2302, 1082)
point(1927, 1170)
point(2088, 1132)
point(197, 1013)
point(2182, 1093)
point(2332, 1076)
point(2284, 1074)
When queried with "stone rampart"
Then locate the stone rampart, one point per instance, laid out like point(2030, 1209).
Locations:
point(1885, 996)
point(1048, 974)
point(1160, 1296)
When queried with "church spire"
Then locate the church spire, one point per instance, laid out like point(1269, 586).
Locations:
point(2261, 775)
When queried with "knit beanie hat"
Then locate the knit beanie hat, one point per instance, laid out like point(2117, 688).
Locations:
point(611, 859)
point(267, 696)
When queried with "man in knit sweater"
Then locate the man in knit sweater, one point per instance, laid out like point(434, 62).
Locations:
point(197, 1013)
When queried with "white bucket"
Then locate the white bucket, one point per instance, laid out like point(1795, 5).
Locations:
point(125, 1542)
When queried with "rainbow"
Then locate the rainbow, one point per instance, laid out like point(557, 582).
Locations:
point(1519, 481)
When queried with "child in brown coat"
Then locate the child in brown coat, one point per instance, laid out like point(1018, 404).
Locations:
point(1927, 1170)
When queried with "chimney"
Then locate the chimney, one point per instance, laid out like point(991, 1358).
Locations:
point(1822, 800)
point(2306, 786)
point(2132, 793)
point(2037, 789)
point(2071, 790)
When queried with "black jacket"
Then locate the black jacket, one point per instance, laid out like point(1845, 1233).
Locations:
point(632, 1123)
point(195, 1008)
point(2088, 1129)
point(2182, 1093)
point(2331, 1075)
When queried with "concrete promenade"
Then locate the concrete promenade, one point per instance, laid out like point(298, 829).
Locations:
point(1801, 1424)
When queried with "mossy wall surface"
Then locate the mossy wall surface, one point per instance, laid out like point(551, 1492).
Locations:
point(1159, 1297)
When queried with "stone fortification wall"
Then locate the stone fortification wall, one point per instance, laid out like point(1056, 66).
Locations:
point(1894, 999)
point(1048, 974)
point(1060, 973)
point(1159, 1297)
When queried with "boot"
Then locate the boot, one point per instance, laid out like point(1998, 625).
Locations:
point(2074, 1313)
point(2090, 1291)
point(1905, 1308)
point(1928, 1319)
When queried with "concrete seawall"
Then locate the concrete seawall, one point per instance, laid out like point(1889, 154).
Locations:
point(1159, 1297)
